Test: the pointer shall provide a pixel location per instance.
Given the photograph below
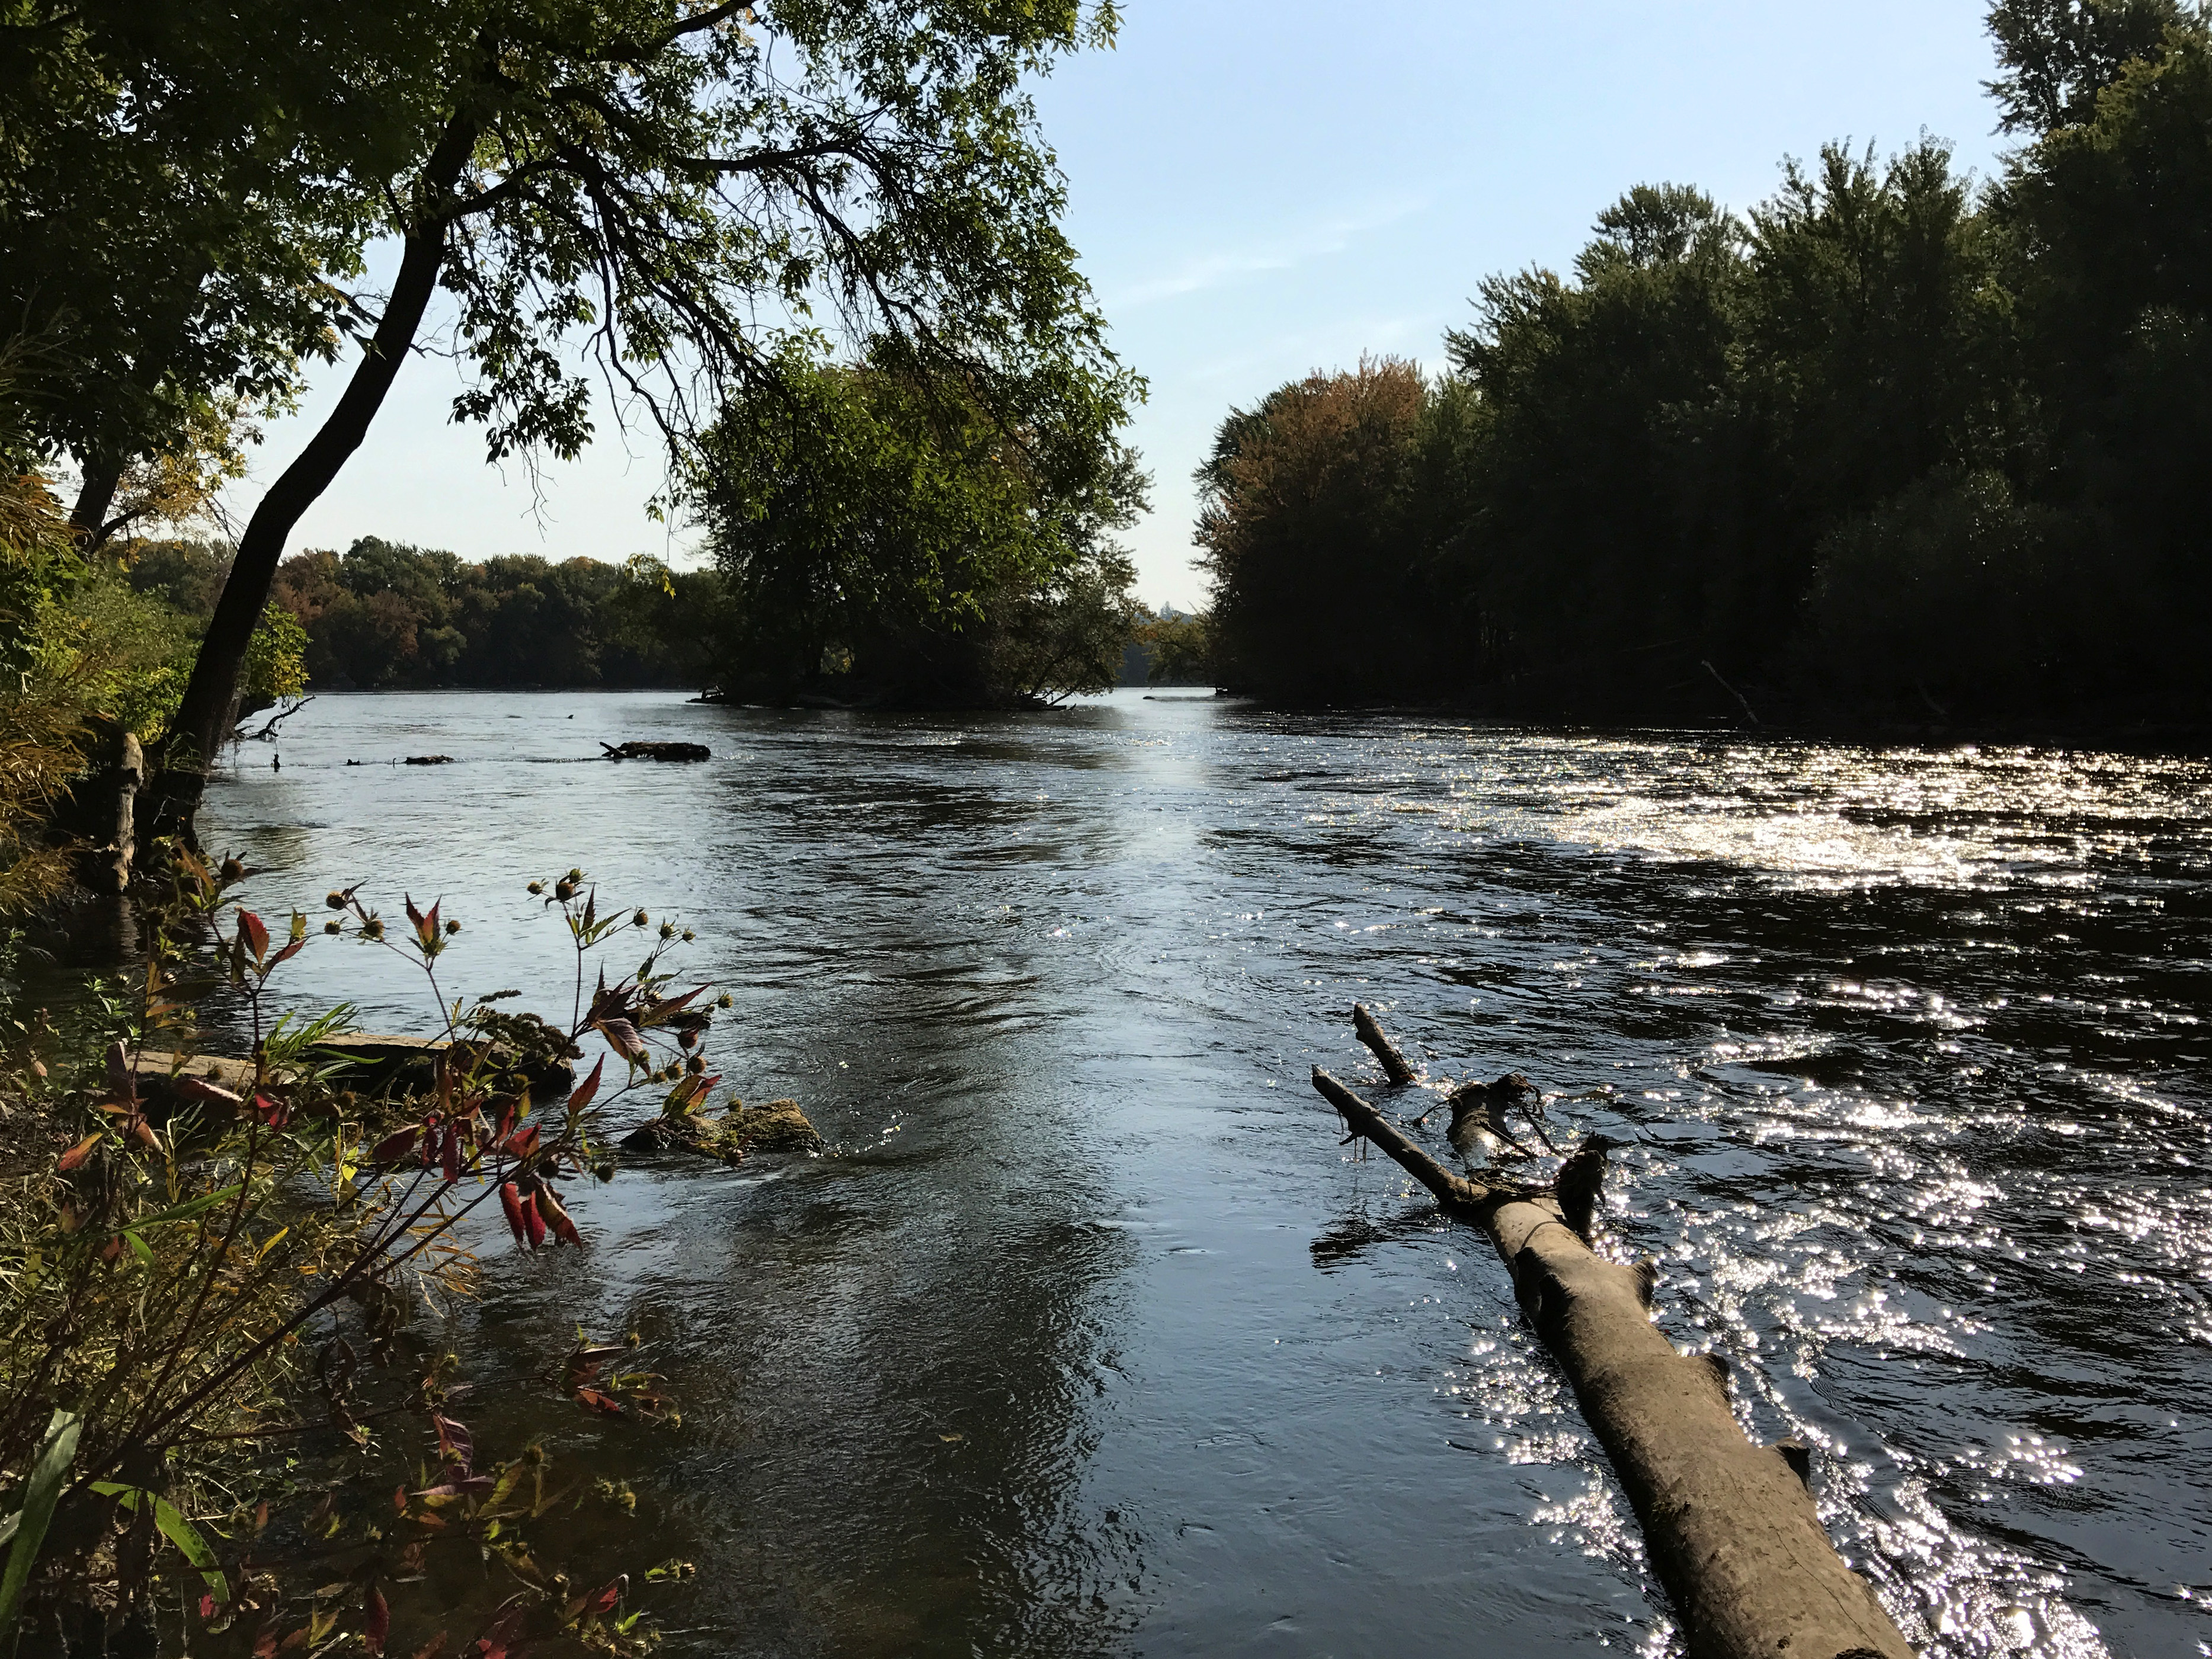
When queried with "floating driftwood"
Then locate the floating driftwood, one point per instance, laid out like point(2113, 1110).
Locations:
point(658, 752)
point(1731, 1526)
point(429, 760)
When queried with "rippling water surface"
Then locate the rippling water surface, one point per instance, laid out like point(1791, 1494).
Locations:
point(1088, 1338)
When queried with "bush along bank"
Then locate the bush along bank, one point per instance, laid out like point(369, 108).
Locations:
point(221, 1285)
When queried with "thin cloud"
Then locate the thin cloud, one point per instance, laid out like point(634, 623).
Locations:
point(1336, 345)
point(1214, 271)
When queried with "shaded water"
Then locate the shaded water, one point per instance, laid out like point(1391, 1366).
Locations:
point(1090, 1339)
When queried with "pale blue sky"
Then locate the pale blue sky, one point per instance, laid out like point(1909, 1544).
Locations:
point(1259, 190)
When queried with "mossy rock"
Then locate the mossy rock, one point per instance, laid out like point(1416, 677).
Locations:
point(777, 1126)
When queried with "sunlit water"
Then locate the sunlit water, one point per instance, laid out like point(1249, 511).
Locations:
point(1088, 1337)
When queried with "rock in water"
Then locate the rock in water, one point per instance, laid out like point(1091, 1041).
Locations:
point(778, 1126)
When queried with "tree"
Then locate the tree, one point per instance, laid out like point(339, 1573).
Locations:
point(1177, 650)
point(2057, 55)
point(386, 615)
point(1312, 593)
point(670, 189)
point(857, 511)
point(2109, 224)
point(1604, 518)
point(1890, 443)
point(1875, 348)
point(185, 185)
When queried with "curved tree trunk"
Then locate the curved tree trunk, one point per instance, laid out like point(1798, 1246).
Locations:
point(1731, 1526)
point(203, 720)
point(88, 517)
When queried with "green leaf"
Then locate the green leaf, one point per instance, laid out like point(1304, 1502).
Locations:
point(177, 1530)
point(40, 1492)
point(185, 1210)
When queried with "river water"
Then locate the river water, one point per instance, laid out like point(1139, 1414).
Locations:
point(1088, 1337)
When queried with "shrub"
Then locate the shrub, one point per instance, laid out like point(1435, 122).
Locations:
point(214, 1268)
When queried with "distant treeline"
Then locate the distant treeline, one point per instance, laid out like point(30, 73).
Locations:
point(1890, 444)
point(381, 614)
point(384, 616)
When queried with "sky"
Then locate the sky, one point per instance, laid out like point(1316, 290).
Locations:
point(1262, 190)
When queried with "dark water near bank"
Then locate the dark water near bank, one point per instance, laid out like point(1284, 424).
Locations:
point(1089, 1338)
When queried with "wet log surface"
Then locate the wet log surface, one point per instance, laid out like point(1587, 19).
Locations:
point(658, 752)
point(1731, 1526)
point(378, 1063)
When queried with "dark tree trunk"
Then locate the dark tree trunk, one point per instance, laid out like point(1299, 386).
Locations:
point(88, 518)
point(203, 720)
point(103, 469)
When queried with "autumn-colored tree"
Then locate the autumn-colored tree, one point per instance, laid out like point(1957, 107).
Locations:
point(1313, 595)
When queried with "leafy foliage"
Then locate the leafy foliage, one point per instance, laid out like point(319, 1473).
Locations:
point(1178, 650)
point(184, 185)
point(863, 516)
point(386, 615)
point(2057, 55)
point(1887, 444)
point(1306, 590)
point(218, 1268)
point(43, 701)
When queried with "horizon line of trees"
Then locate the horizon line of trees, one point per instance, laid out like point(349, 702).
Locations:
point(1889, 444)
point(389, 616)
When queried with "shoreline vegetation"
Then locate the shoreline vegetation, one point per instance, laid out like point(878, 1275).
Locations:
point(240, 1276)
point(1894, 446)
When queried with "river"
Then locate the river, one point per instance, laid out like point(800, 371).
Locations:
point(1088, 1337)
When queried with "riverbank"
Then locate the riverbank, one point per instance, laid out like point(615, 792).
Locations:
point(227, 1304)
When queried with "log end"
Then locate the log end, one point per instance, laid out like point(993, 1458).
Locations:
point(1371, 1031)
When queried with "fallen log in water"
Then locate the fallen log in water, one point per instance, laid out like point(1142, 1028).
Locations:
point(375, 1064)
point(1394, 1064)
point(1731, 1526)
point(658, 752)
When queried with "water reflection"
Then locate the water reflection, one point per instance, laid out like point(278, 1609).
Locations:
point(1089, 1338)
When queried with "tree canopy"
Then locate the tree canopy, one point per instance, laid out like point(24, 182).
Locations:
point(683, 198)
point(1889, 442)
point(862, 515)
point(2057, 55)
point(186, 190)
